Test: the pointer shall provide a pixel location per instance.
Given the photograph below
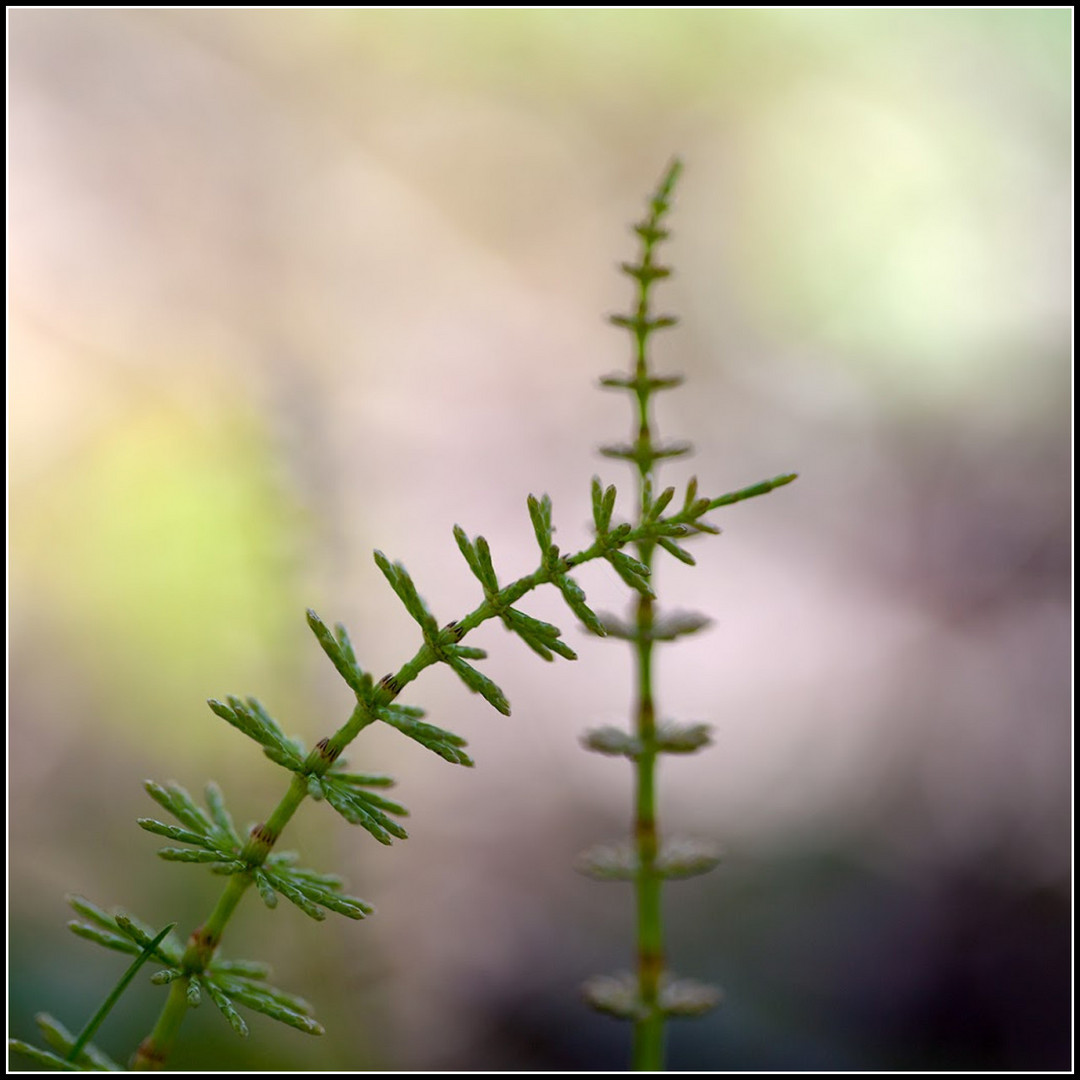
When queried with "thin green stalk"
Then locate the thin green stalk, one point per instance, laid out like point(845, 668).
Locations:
point(155, 1049)
point(107, 1005)
point(648, 1047)
point(650, 995)
point(648, 1042)
point(76, 1052)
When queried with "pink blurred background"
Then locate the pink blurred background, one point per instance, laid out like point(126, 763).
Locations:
point(287, 286)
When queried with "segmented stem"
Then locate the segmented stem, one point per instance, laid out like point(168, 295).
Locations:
point(650, 995)
point(648, 1044)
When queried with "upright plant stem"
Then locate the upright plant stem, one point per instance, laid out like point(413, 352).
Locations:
point(156, 1047)
point(107, 1005)
point(648, 1051)
point(652, 995)
point(648, 1045)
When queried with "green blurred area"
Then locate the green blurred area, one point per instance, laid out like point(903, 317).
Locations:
point(156, 560)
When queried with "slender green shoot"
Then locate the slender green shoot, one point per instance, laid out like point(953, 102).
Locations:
point(80, 1055)
point(98, 1018)
point(651, 996)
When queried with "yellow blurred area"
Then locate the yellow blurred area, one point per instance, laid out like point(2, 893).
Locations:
point(160, 549)
point(285, 286)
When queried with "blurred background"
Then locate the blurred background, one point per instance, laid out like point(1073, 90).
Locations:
point(287, 286)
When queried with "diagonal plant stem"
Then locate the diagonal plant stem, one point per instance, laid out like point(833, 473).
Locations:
point(107, 1005)
point(80, 1055)
point(204, 941)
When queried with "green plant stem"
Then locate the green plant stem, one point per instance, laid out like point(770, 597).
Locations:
point(156, 1047)
point(107, 1005)
point(648, 1046)
point(648, 1042)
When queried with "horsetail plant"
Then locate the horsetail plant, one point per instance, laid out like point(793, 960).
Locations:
point(195, 969)
point(651, 995)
